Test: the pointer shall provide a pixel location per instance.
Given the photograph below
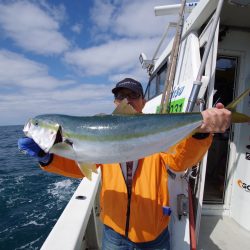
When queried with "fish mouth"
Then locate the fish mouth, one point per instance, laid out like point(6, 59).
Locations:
point(59, 137)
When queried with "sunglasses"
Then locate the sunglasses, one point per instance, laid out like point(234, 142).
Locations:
point(133, 96)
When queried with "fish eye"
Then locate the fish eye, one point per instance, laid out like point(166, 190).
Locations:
point(36, 123)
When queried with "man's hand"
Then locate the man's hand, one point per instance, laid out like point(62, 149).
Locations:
point(215, 120)
point(29, 147)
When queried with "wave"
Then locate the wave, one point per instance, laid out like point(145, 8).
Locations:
point(33, 223)
point(61, 190)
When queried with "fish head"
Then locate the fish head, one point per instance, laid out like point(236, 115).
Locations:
point(43, 132)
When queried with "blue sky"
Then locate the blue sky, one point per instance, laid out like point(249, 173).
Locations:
point(66, 56)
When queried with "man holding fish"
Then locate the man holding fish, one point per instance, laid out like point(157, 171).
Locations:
point(134, 192)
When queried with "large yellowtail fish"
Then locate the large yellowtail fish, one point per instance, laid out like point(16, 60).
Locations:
point(114, 138)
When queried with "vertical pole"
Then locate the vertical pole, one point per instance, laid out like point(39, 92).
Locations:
point(173, 61)
point(197, 83)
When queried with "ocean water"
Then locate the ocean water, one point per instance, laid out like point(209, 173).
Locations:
point(31, 200)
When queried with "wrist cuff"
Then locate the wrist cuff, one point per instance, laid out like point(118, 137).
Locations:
point(200, 136)
point(46, 160)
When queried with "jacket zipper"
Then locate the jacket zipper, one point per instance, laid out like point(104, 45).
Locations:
point(128, 205)
point(128, 215)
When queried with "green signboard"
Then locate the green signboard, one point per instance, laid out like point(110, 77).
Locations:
point(175, 106)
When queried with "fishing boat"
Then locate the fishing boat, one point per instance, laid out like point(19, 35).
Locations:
point(206, 62)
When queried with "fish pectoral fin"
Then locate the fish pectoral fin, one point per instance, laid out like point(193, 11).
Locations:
point(87, 169)
point(94, 169)
point(64, 149)
point(124, 109)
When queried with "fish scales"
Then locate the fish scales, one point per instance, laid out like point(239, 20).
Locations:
point(114, 138)
point(115, 127)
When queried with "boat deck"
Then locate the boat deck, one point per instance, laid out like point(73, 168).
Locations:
point(222, 233)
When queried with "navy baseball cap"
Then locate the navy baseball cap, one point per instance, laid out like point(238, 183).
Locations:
point(129, 83)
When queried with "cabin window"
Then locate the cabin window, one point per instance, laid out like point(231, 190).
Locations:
point(156, 84)
point(152, 87)
point(146, 93)
point(162, 78)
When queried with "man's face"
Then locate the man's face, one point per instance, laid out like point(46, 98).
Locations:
point(134, 99)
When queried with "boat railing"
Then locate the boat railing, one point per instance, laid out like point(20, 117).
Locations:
point(78, 226)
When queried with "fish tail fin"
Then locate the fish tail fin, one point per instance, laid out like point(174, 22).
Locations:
point(239, 117)
point(236, 116)
point(232, 106)
point(86, 169)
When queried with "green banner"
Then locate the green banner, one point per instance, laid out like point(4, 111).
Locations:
point(175, 106)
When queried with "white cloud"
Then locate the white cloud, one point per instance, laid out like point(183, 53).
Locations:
point(58, 12)
point(16, 70)
point(130, 18)
point(123, 29)
point(60, 97)
point(137, 72)
point(77, 28)
point(119, 56)
point(86, 99)
point(26, 90)
point(32, 29)
point(101, 14)
point(138, 20)
point(85, 92)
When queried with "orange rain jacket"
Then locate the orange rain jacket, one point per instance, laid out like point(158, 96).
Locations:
point(142, 218)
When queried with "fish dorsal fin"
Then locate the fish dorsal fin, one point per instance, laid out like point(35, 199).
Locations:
point(124, 109)
point(100, 114)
